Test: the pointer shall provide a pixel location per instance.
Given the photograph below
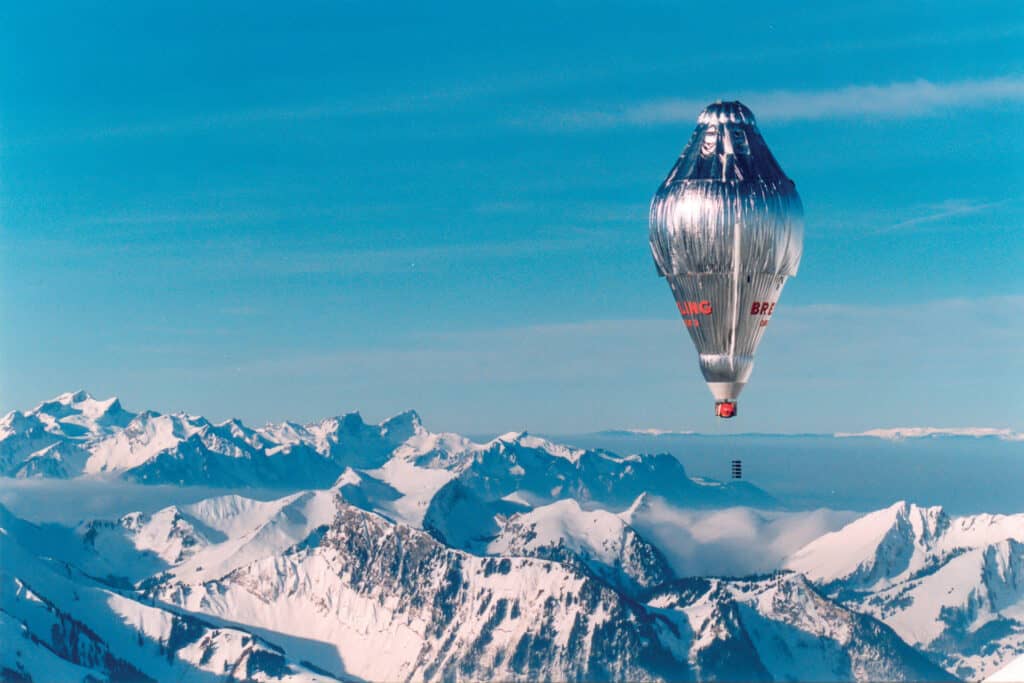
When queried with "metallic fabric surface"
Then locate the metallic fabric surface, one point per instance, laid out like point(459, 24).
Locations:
point(726, 230)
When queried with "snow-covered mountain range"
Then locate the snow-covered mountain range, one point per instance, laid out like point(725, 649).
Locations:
point(397, 462)
point(392, 553)
point(311, 586)
point(952, 586)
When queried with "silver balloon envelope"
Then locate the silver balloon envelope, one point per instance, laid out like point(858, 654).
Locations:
point(726, 230)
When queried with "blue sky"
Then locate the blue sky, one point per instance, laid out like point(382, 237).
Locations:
point(280, 213)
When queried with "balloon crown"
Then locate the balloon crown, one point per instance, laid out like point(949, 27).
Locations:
point(726, 112)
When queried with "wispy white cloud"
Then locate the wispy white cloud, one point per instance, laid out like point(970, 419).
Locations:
point(949, 209)
point(894, 100)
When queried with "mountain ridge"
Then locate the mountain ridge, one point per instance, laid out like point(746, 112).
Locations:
point(951, 586)
point(589, 549)
point(76, 435)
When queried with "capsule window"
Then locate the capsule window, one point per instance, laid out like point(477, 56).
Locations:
point(740, 145)
point(710, 144)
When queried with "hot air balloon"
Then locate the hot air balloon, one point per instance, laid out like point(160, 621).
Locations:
point(726, 230)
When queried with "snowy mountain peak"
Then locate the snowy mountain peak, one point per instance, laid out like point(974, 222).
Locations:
point(402, 427)
point(926, 523)
point(954, 586)
point(641, 504)
point(14, 421)
point(350, 422)
point(74, 413)
point(600, 539)
point(348, 478)
point(406, 417)
point(235, 425)
point(875, 549)
point(71, 397)
point(901, 433)
point(189, 418)
point(79, 402)
point(523, 439)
